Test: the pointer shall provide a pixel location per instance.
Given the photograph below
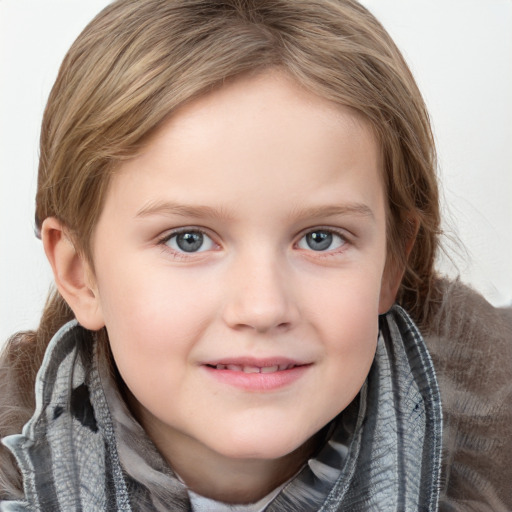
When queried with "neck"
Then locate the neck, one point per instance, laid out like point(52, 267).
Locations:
point(215, 476)
point(237, 481)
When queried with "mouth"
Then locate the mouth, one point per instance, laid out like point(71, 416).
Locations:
point(257, 375)
point(253, 368)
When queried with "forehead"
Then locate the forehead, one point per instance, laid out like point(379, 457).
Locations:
point(257, 100)
point(262, 135)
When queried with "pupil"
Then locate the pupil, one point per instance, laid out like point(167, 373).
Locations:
point(189, 242)
point(319, 240)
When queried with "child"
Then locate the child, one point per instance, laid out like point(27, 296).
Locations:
point(233, 195)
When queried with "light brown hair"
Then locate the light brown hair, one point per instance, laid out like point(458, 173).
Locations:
point(139, 60)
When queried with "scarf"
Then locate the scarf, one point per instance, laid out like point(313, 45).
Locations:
point(83, 451)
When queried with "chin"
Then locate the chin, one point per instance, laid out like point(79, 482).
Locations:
point(268, 446)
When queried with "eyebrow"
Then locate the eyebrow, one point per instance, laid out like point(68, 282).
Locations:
point(200, 211)
point(183, 210)
point(358, 209)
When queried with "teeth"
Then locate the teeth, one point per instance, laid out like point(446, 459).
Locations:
point(254, 369)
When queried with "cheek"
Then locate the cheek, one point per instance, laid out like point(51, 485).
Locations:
point(351, 339)
point(345, 319)
point(153, 322)
point(140, 297)
point(350, 350)
point(347, 302)
point(152, 335)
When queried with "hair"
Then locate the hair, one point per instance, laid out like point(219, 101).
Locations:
point(140, 60)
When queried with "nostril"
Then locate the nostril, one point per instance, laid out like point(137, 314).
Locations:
point(269, 326)
point(263, 306)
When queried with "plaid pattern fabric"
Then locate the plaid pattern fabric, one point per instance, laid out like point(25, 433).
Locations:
point(82, 450)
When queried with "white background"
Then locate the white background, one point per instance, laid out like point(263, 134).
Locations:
point(459, 50)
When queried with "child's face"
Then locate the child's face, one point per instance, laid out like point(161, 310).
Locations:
point(248, 237)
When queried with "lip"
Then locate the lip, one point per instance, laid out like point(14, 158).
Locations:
point(273, 374)
point(255, 361)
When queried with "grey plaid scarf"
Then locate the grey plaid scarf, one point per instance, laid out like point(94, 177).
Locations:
point(83, 451)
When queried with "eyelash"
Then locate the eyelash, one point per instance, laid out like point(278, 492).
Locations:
point(181, 255)
point(331, 252)
point(164, 240)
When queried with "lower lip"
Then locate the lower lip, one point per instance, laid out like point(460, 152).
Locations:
point(258, 382)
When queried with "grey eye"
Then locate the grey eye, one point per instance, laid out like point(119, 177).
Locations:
point(190, 241)
point(321, 240)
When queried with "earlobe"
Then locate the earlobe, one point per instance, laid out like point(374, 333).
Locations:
point(72, 274)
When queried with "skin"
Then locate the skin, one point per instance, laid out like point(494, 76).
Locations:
point(256, 165)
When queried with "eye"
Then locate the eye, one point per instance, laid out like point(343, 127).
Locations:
point(321, 240)
point(189, 241)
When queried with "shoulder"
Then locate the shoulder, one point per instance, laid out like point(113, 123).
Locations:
point(19, 362)
point(470, 342)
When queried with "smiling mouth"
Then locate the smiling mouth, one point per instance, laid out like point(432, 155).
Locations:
point(257, 376)
point(253, 369)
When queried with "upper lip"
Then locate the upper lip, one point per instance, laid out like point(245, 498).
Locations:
point(256, 362)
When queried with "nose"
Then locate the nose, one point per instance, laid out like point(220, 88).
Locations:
point(261, 296)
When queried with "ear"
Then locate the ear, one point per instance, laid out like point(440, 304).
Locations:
point(393, 272)
point(72, 274)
